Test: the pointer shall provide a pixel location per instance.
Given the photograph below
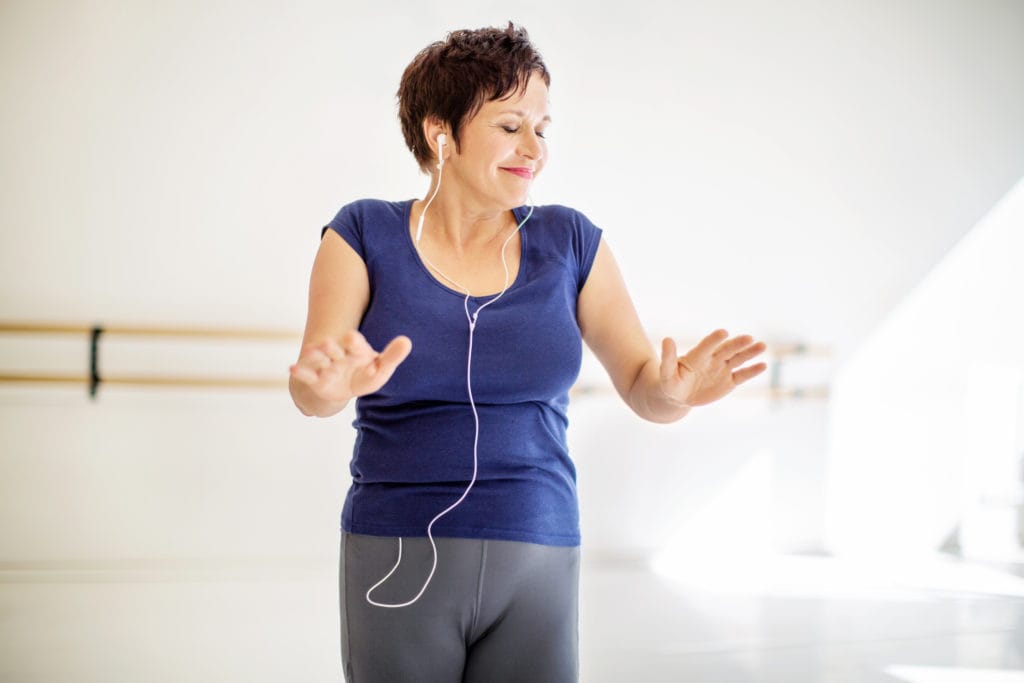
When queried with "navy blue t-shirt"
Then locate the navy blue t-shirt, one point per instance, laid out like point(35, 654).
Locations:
point(413, 454)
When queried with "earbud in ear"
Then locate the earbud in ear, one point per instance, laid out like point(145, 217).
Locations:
point(442, 140)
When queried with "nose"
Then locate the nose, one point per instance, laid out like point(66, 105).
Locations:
point(531, 145)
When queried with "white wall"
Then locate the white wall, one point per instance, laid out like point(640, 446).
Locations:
point(164, 481)
point(925, 434)
point(784, 169)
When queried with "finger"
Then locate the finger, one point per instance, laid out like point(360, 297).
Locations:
point(332, 350)
point(746, 354)
point(303, 374)
point(315, 359)
point(355, 343)
point(709, 343)
point(727, 349)
point(393, 354)
point(744, 374)
point(669, 360)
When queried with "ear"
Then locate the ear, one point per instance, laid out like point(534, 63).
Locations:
point(431, 129)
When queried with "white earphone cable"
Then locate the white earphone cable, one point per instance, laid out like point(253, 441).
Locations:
point(471, 319)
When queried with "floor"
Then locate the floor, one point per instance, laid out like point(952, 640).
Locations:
point(785, 619)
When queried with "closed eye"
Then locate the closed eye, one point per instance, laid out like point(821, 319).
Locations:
point(510, 129)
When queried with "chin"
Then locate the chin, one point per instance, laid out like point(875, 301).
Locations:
point(522, 199)
point(511, 198)
point(508, 203)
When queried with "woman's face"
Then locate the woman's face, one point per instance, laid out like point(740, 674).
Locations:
point(502, 148)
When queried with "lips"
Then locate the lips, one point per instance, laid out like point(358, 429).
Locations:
point(521, 172)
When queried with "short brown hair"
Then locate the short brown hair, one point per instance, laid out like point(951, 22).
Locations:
point(451, 79)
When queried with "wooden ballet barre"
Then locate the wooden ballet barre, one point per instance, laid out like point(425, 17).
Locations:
point(783, 349)
point(94, 378)
point(775, 393)
point(578, 391)
point(137, 331)
point(776, 352)
point(152, 380)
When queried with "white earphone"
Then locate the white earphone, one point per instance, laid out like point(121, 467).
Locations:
point(442, 140)
point(471, 319)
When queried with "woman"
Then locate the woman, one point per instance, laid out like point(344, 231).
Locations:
point(457, 321)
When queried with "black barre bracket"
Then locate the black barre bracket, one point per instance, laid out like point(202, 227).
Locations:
point(94, 367)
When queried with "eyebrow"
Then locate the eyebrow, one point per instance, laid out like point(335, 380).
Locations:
point(520, 112)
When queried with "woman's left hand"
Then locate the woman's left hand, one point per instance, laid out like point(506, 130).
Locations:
point(710, 370)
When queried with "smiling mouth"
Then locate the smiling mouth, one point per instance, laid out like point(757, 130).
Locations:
point(521, 172)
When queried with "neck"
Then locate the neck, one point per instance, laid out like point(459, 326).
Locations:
point(462, 221)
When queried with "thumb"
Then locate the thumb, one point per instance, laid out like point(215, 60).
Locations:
point(669, 360)
point(393, 354)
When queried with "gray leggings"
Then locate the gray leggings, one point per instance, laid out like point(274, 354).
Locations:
point(494, 611)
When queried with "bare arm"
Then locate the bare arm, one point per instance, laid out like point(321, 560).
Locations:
point(657, 389)
point(335, 362)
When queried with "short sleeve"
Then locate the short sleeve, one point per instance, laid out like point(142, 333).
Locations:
point(586, 237)
point(348, 224)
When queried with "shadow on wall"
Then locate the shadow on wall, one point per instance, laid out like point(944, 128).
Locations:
point(928, 416)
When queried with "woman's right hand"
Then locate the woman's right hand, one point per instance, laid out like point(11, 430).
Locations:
point(337, 373)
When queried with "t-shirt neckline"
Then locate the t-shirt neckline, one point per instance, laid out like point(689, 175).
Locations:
point(516, 212)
